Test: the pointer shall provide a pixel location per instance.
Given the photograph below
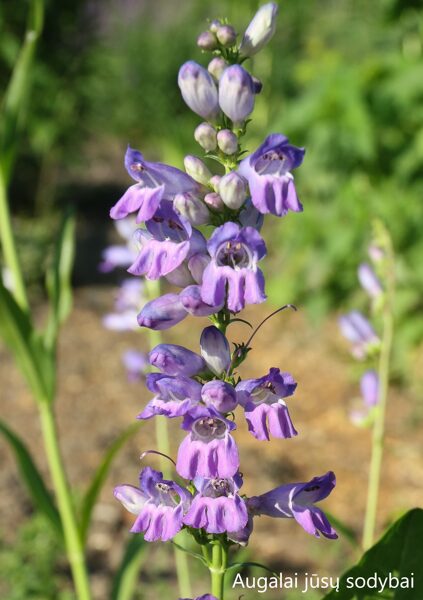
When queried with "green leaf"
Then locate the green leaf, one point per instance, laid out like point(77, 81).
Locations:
point(32, 478)
point(58, 282)
point(399, 553)
point(127, 575)
point(99, 478)
point(19, 335)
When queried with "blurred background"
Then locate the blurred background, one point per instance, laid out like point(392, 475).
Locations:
point(344, 78)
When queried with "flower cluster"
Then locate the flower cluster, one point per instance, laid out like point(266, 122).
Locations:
point(200, 230)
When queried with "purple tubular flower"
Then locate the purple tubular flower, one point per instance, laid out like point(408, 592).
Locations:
point(217, 508)
point(159, 505)
point(167, 242)
point(176, 360)
point(268, 171)
point(236, 93)
point(368, 280)
point(198, 90)
point(369, 385)
point(296, 500)
point(215, 350)
point(155, 182)
point(265, 411)
point(235, 252)
point(136, 364)
point(219, 395)
point(115, 256)
point(162, 312)
point(208, 450)
point(175, 396)
point(357, 330)
point(190, 299)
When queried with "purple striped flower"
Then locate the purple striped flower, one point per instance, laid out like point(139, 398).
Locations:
point(158, 504)
point(268, 172)
point(175, 396)
point(235, 252)
point(265, 410)
point(155, 182)
point(296, 500)
point(217, 507)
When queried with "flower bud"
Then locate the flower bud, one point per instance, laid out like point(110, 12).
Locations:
point(197, 264)
point(260, 30)
point(257, 85)
point(205, 135)
point(368, 280)
point(176, 360)
point(191, 208)
point(197, 169)
point(219, 395)
point(216, 67)
point(162, 313)
point(215, 350)
point(236, 93)
point(207, 41)
point(369, 385)
point(194, 305)
point(214, 182)
point(227, 141)
point(214, 25)
point(198, 90)
point(226, 35)
point(233, 190)
point(214, 201)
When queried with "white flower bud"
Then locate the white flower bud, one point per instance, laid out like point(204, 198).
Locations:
point(260, 30)
point(191, 208)
point(197, 169)
point(216, 67)
point(233, 190)
point(227, 141)
point(205, 135)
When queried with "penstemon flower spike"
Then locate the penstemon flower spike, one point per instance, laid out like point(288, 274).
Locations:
point(217, 277)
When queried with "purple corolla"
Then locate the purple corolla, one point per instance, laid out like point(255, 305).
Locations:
point(217, 507)
point(198, 89)
point(162, 312)
point(268, 172)
point(219, 395)
point(155, 182)
point(172, 359)
point(208, 450)
point(236, 93)
point(235, 252)
point(175, 396)
point(265, 410)
point(296, 500)
point(357, 330)
point(215, 349)
point(159, 505)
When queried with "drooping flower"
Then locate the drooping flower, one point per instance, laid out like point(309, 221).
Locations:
point(172, 359)
point(215, 349)
point(236, 93)
point(369, 281)
point(191, 300)
point(265, 410)
point(175, 396)
point(357, 330)
point(162, 312)
point(296, 500)
point(235, 252)
point(217, 507)
point(260, 30)
point(158, 504)
point(208, 450)
point(155, 182)
point(268, 171)
point(198, 90)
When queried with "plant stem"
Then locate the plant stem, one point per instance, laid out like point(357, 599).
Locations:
point(163, 446)
point(379, 423)
point(218, 569)
point(74, 547)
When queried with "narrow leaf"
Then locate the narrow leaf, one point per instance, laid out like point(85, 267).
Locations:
point(32, 478)
point(126, 577)
point(190, 552)
point(99, 478)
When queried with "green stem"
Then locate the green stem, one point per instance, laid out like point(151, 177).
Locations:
point(378, 434)
point(217, 569)
point(74, 547)
point(163, 446)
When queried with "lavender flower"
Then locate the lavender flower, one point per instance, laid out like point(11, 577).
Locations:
point(268, 171)
point(235, 252)
point(368, 280)
point(198, 90)
point(215, 350)
point(155, 182)
point(162, 313)
point(265, 411)
point(176, 360)
point(369, 385)
point(219, 395)
point(175, 396)
point(217, 507)
point(190, 299)
point(136, 364)
point(159, 505)
point(260, 30)
point(208, 450)
point(116, 256)
point(236, 93)
point(357, 330)
point(296, 500)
